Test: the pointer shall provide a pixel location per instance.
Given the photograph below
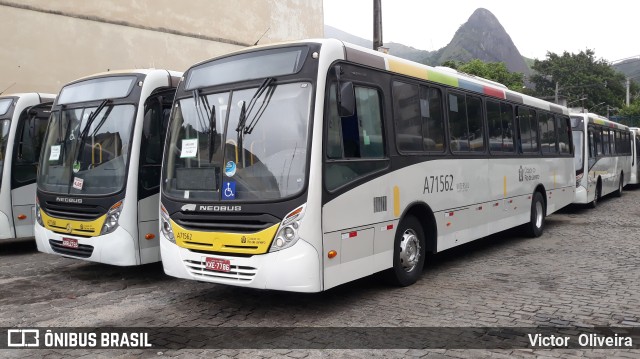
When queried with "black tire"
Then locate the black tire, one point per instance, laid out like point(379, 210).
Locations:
point(596, 197)
point(535, 227)
point(620, 185)
point(410, 240)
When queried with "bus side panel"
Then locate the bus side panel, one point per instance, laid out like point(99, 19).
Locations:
point(23, 204)
point(148, 227)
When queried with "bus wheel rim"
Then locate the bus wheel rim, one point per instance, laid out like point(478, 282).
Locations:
point(409, 250)
point(538, 214)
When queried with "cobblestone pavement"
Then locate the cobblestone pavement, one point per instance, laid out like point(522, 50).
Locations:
point(584, 271)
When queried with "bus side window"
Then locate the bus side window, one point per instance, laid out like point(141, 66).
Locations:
point(25, 166)
point(355, 137)
point(527, 124)
point(564, 144)
point(153, 130)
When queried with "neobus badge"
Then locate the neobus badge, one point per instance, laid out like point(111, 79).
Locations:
point(68, 200)
point(220, 208)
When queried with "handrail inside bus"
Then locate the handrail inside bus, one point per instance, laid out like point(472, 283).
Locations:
point(235, 144)
point(93, 154)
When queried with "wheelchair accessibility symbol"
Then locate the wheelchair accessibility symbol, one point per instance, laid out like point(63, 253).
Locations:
point(229, 190)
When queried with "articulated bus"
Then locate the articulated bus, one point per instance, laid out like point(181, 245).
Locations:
point(23, 121)
point(99, 178)
point(305, 165)
point(602, 157)
point(635, 155)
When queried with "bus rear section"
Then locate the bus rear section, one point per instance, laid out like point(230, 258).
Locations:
point(635, 156)
point(99, 173)
point(603, 157)
point(23, 122)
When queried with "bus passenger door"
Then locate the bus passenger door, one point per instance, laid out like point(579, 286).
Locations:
point(30, 132)
point(157, 109)
point(355, 162)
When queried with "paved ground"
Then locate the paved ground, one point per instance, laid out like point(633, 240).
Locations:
point(583, 271)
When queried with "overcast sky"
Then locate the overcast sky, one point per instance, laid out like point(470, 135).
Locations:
point(611, 27)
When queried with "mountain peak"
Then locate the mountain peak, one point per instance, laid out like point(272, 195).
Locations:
point(483, 37)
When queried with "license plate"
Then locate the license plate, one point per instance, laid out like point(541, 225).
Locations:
point(217, 264)
point(69, 242)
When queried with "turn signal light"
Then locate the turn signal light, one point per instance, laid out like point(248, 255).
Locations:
point(149, 236)
point(22, 216)
point(332, 254)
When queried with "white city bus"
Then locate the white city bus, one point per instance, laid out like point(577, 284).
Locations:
point(23, 121)
point(635, 155)
point(602, 157)
point(99, 175)
point(305, 165)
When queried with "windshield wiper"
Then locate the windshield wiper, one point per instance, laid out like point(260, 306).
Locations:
point(267, 89)
point(87, 126)
point(211, 109)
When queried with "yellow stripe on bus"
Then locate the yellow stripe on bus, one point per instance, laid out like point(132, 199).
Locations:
point(68, 226)
point(244, 243)
point(504, 185)
point(396, 201)
point(407, 69)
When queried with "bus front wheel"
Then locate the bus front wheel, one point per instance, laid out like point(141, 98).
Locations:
point(408, 254)
point(596, 196)
point(620, 185)
point(536, 225)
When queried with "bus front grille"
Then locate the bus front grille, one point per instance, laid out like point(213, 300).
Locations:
point(237, 273)
point(73, 211)
point(83, 250)
point(224, 223)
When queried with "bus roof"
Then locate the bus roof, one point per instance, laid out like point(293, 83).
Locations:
point(599, 120)
point(442, 75)
point(128, 71)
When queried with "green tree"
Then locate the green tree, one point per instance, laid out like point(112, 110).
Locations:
point(579, 77)
point(495, 71)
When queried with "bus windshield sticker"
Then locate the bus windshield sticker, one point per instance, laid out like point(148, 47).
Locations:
point(189, 148)
point(55, 153)
point(76, 166)
point(229, 191)
point(77, 183)
point(367, 140)
point(230, 169)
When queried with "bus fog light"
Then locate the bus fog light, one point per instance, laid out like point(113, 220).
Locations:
point(113, 215)
point(165, 225)
point(288, 233)
point(38, 214)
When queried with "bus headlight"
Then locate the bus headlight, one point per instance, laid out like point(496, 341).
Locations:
point(38, 214)
point(111, 223)
point(165, 225)
point(578, 179)
point(288, 233)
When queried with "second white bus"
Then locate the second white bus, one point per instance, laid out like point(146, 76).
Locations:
point(602, 157)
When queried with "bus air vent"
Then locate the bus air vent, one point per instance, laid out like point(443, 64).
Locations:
point(379, 204)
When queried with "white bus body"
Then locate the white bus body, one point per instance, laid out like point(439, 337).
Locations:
point(99, 172)
point(301, 199)
point(23, 120)
point(635, 155)
point(602, 157)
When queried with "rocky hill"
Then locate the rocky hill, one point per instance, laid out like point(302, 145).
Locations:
point(481, 37)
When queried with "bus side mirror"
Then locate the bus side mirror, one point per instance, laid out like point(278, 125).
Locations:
point(346, 100)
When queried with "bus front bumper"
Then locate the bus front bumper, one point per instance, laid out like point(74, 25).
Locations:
point(116, 248)
point(295, 269)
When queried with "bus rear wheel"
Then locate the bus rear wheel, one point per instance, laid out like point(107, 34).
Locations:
point(408, 254)
point(620, 185)
point(535, 227)
point(596, 197)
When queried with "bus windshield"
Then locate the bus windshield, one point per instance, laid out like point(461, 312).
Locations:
point(578, 142)
point(245, 145)
point(4, 138)
point(86, 149)
point(5, 103)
